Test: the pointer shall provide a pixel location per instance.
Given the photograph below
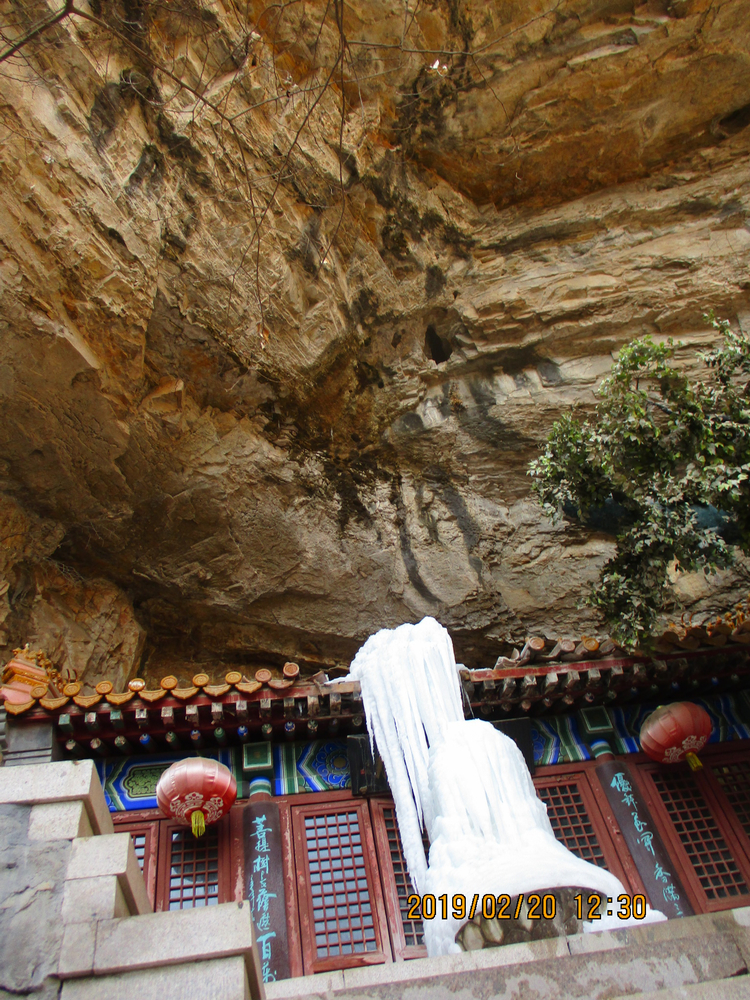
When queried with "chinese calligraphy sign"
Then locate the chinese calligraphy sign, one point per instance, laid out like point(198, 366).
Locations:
point(265, 887)
point(665, 891)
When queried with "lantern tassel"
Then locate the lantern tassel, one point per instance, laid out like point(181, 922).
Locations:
point(198, 823)
point(692, 759)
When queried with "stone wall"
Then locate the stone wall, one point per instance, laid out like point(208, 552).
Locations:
point(32, 882)
point(75, 918)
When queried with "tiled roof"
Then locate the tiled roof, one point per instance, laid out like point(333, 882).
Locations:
point(542, 677)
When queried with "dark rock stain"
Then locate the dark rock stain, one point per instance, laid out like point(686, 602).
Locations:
point(409, 423)
point(549, 372)
point(149, 171)
point(434, 281)
point(104, 113)
point(481, 425)
point(410, 561)
point(350, 504)
point(426, 517)
point(440, 483)
point(365, 306)
point(308, 247)
point(554, 234)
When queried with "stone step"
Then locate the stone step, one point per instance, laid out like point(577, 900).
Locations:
point(217, 979)
point(722, 989)
point(635, 962)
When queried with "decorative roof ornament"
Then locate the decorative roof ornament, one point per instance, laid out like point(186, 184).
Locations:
point(29, 677)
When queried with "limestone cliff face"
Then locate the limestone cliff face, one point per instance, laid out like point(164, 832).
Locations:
point(271, 373)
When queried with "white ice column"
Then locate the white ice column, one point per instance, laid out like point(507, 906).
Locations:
point(464, 781)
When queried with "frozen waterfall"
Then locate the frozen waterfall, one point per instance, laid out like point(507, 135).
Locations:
point(467, 783)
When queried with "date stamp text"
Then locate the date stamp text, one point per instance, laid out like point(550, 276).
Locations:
point(533, 906)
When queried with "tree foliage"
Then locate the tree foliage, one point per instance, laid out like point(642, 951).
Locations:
point(668, 450)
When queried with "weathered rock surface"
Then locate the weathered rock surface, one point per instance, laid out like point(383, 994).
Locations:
point(84, 625)
point(32, 877)
point(270, 448)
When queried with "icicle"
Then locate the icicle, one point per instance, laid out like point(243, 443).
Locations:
point(465, 782)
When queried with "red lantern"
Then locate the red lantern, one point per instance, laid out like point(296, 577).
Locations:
point(196, 791)
point(676, 732)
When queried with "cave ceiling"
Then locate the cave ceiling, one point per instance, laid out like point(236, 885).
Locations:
point(291, 295)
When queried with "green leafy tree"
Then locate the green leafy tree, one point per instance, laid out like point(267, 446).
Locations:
point(664, 451)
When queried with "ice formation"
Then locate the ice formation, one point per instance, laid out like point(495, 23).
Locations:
point(465, 781)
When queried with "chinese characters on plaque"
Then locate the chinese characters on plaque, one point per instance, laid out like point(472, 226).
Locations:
point(265, 887)
point(664, 889)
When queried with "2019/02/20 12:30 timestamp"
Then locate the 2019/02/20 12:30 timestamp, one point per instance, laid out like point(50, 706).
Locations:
point(539, 906)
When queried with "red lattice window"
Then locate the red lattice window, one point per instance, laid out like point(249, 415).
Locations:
point(145, 837)
point(407, 936)
point(192, 871)
point(571, 822)
point(342, 916)
point(701, 817)
point(699, 834)
point(734, 780)
point(139, 841)
point(180, 870)
point(582, 820)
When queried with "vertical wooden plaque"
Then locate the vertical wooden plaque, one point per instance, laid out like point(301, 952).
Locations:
point(264, 887)
point(658, 871)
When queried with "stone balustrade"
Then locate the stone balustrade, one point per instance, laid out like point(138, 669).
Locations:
point(74, 907)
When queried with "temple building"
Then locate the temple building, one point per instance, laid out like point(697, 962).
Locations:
point(312, 843)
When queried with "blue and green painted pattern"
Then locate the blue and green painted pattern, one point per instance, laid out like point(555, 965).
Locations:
point(323, 765)
point(130, 782)
point(319, 766)
point(566, 739)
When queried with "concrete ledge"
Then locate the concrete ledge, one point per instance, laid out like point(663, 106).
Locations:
point(59, 821)
point(60, 781)
point(112, 854)
point(319, 987)
point(671, 956)
point(589, 944)
point(676, 930)
point(89, 899)
point(723, 989)
point(175, 936)
point(77, 951)
point(418, 971)
point(647, 934)
point(216, 979)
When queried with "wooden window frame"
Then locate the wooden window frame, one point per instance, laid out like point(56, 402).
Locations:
point(401, 951)
point(724, 815)
point(223, 870)
point(145, 821)
point(156, 869)
point(293, 933)
point(301, 810)
point(618, 859)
